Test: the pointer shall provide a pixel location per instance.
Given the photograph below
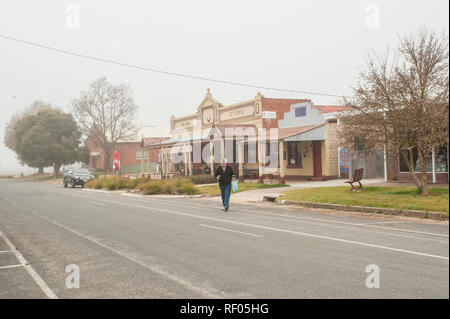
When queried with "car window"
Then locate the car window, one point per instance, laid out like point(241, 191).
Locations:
point(81, 171)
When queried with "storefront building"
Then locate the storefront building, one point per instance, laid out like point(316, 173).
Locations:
point(261, 137)
point(133, 158)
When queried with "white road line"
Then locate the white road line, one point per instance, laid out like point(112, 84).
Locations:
point(204, 291)
point(321, 219)
point(283, 230)
point(307, 218)
point(230, 230)
point(280, 217)
point(98, 203)
point(12, 266)
point(41, 283)
point(391, 222)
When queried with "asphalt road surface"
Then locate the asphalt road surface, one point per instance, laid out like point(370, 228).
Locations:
point(127, 247)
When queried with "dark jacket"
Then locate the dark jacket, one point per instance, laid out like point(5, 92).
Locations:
point(225, 176)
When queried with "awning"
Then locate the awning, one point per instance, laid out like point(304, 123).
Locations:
point(311, 133)
point(297, 133)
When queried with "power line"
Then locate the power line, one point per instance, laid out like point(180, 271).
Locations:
point(162, 71)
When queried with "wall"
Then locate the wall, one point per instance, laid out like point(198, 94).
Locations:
point(313, 116)
point(440, 178)
point(372, 164)
point(307, 162)
point(331, 150)
point(127, 152)
point(280, 106)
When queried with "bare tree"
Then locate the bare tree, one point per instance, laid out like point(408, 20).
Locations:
point(106, 115)
point(402, 103)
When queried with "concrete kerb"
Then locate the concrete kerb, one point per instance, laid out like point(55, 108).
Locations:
point(137, 195)
point(361, 209)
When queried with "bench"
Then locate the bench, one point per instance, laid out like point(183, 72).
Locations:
point(357, 177)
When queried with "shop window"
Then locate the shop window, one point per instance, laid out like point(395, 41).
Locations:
point(358, 143)
point(294, 155)
point(217, 149)
point(440, 161)
point(271, 158)
point(300, 111)
point(250, 153)
point(139, 152)
point(441, 157)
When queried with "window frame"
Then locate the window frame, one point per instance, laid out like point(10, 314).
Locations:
point(298, 152)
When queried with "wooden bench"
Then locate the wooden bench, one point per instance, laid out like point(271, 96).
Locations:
point(357, 177)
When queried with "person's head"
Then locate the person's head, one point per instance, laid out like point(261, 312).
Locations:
point(224, 162)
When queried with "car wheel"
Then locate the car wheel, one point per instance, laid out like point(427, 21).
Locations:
point(65, 185)
point(73, 184)
point(82, 185)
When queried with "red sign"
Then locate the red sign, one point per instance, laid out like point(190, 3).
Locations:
point(116, 161)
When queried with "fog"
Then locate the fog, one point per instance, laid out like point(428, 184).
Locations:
point(313, 46)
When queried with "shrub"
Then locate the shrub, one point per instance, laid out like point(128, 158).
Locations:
point(179, 185)
point(133, 183)
point(180, 181)
point(151, 188)
point(203, 179)
point(95, 183)
point(112, 183)
point(168, 187)
point(189, 189)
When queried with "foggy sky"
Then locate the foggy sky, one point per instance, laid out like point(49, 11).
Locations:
point(304, 45)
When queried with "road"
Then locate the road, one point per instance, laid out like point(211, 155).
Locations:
point(127, 247)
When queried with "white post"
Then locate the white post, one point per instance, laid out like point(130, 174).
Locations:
point(385, 164)
point(433, 164)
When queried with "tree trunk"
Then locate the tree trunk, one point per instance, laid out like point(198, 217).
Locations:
point(424, 180)
point(412, 173)
point(107, 153)
point(41, 170)
point(57, 168)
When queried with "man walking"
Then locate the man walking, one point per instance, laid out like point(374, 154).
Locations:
point(224, 174)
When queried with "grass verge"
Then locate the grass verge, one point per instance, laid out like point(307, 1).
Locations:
point(407, 198)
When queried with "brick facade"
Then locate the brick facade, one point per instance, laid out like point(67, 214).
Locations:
point(441, 178)
point(280, 106)
point(128, 152)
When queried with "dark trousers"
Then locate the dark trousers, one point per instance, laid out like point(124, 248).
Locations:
point(225, 191)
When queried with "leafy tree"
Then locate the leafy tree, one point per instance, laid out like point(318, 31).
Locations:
point(46, 138)
point(10, 136)
point(84, 155)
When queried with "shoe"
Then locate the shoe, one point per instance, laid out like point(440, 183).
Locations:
point(226, 208)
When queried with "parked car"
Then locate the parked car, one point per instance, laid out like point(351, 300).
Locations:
point(77, 176)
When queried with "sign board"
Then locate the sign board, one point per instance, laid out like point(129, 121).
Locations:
point(236, 113)
point(269, 115)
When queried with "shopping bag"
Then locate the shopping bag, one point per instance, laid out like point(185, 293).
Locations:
point(234, 186)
